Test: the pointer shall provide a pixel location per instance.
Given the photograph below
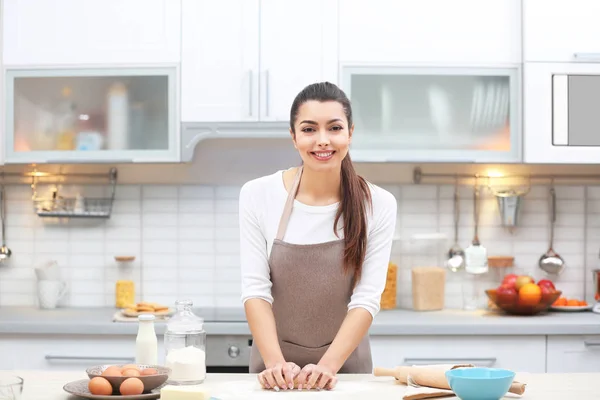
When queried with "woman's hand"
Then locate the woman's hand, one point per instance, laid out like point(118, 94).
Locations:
point(279, 376)
point(317, 377)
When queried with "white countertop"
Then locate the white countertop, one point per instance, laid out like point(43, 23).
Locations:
point(231, 321)
point(45, 385)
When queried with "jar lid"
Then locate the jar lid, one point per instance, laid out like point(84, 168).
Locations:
point(184, 320)
point(146, 317)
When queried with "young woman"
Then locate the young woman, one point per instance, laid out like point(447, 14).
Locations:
point(315, 246)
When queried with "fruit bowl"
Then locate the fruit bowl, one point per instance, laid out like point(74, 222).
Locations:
point(510, 304)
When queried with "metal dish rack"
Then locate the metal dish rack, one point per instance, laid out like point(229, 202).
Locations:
point(57, 206)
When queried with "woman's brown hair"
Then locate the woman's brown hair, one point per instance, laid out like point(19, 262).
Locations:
point(355, 193)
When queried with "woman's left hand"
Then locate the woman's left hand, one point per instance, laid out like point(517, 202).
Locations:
point(317, 377)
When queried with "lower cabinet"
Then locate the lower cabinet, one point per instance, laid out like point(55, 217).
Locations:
point(518, 353)
point(66, 352)
point(573, 354)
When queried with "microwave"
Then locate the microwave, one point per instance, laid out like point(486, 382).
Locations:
point(561, 113)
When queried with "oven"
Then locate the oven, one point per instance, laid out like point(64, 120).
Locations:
point(228, 353)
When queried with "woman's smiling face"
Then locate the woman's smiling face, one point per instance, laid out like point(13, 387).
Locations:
point(322, 136)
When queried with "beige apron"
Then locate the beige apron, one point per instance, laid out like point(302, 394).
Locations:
point(310, 293)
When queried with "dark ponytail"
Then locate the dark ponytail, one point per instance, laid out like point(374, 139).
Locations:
point(355, 193)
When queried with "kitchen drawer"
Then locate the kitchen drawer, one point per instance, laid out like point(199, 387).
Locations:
point(572, 354)
point(518, 353)
point(67, 352)
point(560, 30)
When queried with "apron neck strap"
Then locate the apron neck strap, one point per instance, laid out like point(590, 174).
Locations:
point(287, 210)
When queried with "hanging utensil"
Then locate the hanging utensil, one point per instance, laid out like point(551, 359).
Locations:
point(456, 255)
point(4, 250)
point(551, 262)
point(476, 254)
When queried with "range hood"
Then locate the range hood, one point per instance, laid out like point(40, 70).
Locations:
point(193, 133)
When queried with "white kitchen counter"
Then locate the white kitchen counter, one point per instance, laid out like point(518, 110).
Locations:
point(45, 385)
point(94, 321)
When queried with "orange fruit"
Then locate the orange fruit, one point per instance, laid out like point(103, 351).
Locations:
point(583, 303)
point(573, 302)
point(530, 294)
point(561, 301)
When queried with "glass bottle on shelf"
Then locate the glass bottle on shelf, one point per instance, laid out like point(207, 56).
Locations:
point(185, 346)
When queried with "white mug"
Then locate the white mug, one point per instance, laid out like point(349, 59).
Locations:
point(50, 292)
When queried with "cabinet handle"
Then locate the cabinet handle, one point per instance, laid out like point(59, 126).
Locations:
point(267, 102)
point(100, 358)
point(250, 89)
point(587, 56)
point(472, 360)
point(589, 343)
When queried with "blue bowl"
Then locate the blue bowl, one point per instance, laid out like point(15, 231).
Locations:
point(480, 383)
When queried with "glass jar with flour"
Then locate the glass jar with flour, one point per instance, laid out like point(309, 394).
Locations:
point(185, 346)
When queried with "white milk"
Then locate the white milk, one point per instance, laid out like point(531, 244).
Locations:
point(146, 343)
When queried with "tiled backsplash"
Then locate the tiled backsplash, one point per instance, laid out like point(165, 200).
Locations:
point(185, 240)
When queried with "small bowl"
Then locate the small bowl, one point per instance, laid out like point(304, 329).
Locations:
point(150, 381)
point(480, 383)
point(512, 306)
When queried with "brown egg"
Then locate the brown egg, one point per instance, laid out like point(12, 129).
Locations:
point(100, 386)
point(131, 386)
point(149, 371)
point(129, 366)
point(130, 372)
point(112, 371)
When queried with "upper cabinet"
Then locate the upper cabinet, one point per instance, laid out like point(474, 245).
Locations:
point(561, 30)
point(464, 32)
point(433, 80)
point(75, 32)
point(435, 114)
point(91, 115)
point(561, 81)
point(245, 60)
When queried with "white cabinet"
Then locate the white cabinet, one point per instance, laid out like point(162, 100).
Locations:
point(245, 60)
point(573, 354)
point(74, 32)
point(518, 353)
point(64, 352)
point(219, 68)
point(561, 117)
point(298, 46)
point(430, 32)
point(560, 30)
point(435, 114)
point(91, 115)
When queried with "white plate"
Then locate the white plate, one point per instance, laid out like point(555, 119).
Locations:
point(571, 308)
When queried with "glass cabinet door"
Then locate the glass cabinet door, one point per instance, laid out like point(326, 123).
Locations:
point(83, 115)
point(434, 114)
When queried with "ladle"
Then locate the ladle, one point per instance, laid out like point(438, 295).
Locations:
point(551, 262)
point(4, 250)
point(456, 255)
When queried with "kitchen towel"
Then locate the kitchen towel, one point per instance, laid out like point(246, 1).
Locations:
point(429, 381)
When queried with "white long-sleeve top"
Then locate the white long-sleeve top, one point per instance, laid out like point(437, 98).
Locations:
point(261, 205)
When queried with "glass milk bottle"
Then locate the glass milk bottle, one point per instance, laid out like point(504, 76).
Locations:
point(146, 343)
point(185, 346)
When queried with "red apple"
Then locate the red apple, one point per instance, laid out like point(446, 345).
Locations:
point(523, 280)
point(546, 282)
point(506, 295)
point(509, 280)
point(547, 289)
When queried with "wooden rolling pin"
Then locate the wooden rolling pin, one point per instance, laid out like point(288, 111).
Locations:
point(432, 377)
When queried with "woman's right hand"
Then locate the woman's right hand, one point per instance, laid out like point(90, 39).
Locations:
point(279, 376)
